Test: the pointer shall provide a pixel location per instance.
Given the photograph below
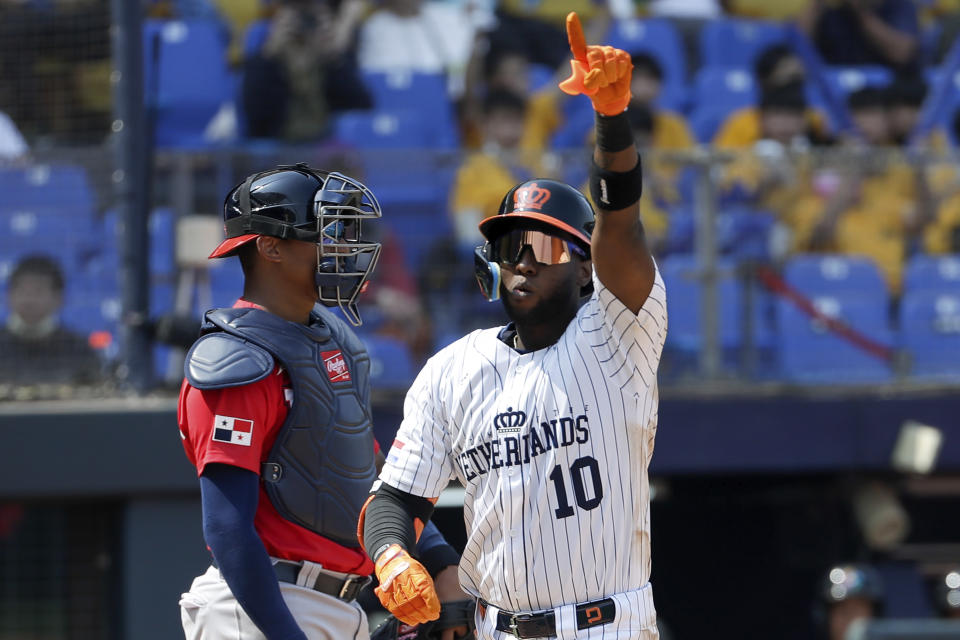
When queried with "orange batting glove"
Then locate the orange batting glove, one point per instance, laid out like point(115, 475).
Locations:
point(601, 73)
point(406, 589)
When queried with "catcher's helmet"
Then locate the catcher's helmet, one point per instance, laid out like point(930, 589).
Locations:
point(543, 205)
point(300, 203)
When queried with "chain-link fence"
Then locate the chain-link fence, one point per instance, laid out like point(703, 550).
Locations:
point(58, 565)
point(817, 267)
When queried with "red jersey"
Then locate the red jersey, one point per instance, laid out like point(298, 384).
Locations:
point(238, 426)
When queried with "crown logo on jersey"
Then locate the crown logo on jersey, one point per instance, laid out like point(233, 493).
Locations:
point(510, 421)
point(530, 197)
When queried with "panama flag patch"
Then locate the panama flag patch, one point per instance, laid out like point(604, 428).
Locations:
point(233, 430)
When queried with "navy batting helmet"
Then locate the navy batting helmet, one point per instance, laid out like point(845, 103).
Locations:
point(552, 205)
point(300, 203)
point(544, 205)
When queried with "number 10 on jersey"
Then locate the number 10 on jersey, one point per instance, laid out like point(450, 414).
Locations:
point(577, 479)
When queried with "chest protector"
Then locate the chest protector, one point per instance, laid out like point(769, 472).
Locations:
point(321, 467)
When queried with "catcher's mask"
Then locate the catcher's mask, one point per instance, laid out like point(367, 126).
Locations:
point(300, 203)
point(551, 218)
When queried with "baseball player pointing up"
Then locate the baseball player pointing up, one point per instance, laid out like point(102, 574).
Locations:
point(548, 422)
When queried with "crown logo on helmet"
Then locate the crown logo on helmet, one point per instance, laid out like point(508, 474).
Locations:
point(530, 197)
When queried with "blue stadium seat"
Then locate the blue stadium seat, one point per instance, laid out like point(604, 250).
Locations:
point(162, 229)
point(718, 92)
point(945, 111)
point(226, 283)
point(930, 333)
point(577, 124)
point(390, 129)
point(846, 80)
point(925, 273)
point(740, 232)
point(735, 42)
point(186, 78)
point(255, 37)
point(52, 232)
point(424, 94)
point(540, 76)
point(403, 89)
point(659, 38)
point(391, 364)
point(836, 275)
point(680, 277)
point(48, 186)
point(809, 353)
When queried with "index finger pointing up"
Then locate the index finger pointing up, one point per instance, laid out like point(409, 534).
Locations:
point(578, 44)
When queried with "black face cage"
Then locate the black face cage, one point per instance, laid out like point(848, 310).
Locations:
point(344, 260)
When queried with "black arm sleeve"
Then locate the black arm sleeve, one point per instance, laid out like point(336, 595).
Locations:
point(229, 497)
point(389, 519)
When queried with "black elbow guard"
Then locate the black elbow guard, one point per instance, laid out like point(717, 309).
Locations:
point(389, 519)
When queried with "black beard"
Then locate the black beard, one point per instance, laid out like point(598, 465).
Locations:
point(558, 305)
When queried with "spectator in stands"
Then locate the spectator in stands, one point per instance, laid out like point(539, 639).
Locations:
point(305, 71)
point(862, 32)
point(55, 69)
point(766, 10)
point(688, 16)
point(538, 27)
point(864, 202)
point(776, 66)
point(12, 144)
point(942, 232)
point(906, 93)
point(499, 164)
point(849, 596)
point(670, 130)
point(870, 111)
point(396, 307)
point(184, 9)
point(238, 16)
point(419, 36)
point(508, 69)
point(36, 348)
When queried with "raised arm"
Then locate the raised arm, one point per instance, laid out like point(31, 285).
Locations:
point(620, 254)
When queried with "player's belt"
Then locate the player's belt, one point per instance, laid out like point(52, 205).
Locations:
point(544, 624)
point(346, 589)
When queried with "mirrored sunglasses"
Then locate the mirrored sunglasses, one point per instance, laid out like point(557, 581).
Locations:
point(547, 249)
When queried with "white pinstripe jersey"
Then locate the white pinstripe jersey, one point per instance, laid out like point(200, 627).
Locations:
point(552, 447)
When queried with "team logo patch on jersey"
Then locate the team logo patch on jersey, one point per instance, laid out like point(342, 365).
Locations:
point(530, 198)
point(510, 421)
point(233, 430)
point(336, 366)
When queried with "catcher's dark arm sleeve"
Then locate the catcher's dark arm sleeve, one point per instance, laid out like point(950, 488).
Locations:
point(390, 517)
point(229, 497)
